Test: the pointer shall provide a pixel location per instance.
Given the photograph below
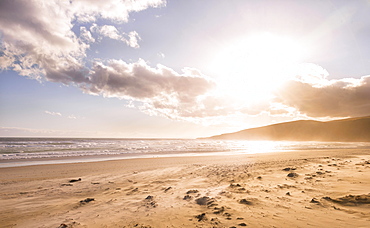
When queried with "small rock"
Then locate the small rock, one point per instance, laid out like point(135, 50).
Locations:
point(314, 200)
point(149, 202)
point(242, 224)
point(293, 175)
point(87, 200)
point(218, 210)
point(235, 185)
point(244, 201)
point(75, 180)
point(201, 217)
point(187, 197)
point(204, 200)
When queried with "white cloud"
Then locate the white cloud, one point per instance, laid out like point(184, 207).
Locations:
point(116, 10)
point(161, 90)
point(71, 116)
point(53, 113)
point(161, 55)
point(74, 117)
point(133, 39)
point(85, 35)
point(110, 31)
point(37, 38)
point(312, 74)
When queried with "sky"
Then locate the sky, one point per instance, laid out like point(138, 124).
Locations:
point(179, 68)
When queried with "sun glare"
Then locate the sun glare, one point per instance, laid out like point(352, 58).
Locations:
point(251, 68)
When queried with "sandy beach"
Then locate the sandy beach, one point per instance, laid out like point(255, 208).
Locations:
point(321, 188)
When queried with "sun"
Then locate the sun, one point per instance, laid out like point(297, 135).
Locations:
point(250, 68)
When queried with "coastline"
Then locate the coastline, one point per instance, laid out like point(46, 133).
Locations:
point(154, 192)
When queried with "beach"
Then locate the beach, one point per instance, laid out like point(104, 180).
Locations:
point(310, 188)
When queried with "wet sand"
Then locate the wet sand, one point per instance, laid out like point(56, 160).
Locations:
point(327, 188)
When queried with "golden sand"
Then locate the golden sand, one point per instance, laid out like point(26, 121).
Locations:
point(328, 188)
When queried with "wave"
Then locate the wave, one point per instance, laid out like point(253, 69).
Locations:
point(34, 148)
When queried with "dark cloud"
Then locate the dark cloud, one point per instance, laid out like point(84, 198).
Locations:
point(20, 19)
point(336, 98)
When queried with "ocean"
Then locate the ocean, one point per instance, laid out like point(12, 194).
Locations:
point(35, 151)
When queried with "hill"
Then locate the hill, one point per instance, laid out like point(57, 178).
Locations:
point(345, 130)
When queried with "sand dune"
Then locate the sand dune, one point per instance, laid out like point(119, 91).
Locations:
point(293, 189)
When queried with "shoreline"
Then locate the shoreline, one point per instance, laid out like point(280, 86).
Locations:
point(192, 191)
point(20, 162)
point(101, 158)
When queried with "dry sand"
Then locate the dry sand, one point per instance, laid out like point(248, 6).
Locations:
point(328, 188)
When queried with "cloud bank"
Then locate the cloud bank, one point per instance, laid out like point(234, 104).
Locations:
point(38, 39)
point(44, 49)
point(161, 90)
point(37, 47)
point(30, 132)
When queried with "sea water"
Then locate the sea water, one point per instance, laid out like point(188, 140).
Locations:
point(28, 151)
